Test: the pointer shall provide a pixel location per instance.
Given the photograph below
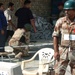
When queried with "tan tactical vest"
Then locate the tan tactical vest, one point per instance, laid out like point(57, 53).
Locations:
point(68, 35)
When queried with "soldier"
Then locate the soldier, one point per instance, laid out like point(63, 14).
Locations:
point(25, 21)
point(64, 40)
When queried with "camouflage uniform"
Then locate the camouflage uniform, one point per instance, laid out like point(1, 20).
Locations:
point(15, 41)
point(67, 56)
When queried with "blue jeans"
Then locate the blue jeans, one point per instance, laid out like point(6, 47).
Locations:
point(2, 41)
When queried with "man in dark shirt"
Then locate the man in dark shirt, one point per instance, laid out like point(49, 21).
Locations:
point(25, 21)
point(3, 26)
point(25, 15)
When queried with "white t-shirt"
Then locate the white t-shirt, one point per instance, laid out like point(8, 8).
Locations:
point(8, 15)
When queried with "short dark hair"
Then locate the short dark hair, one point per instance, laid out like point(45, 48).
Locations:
point(61, 4)
point(1, 4)
point(27, 2)
point(10, 4)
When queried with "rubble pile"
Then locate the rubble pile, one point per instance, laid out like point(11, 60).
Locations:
point(44, 29)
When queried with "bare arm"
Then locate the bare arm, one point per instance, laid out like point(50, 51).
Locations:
point(56, 49)
point(33, 24)
point(55, 41)
point(13, 26)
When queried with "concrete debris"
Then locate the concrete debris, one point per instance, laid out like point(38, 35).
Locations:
point(44, 29)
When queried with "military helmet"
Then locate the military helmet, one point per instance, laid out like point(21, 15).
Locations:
point(70, 4)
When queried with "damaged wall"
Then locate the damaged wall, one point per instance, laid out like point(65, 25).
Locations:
point(44, 29)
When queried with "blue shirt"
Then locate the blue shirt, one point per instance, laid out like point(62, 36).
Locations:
point(3, 22)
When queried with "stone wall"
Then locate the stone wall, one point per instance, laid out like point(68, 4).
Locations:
point(39, 7)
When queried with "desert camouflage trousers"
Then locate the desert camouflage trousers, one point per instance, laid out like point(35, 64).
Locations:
point(66, 58)
point(15, 41)
point(27, 37)
point(24, 50)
